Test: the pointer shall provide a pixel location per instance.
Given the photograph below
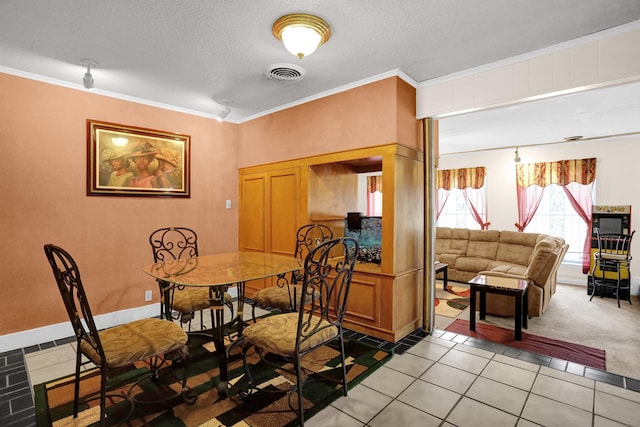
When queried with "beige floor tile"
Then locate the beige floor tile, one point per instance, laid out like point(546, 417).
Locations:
point(617, 408)
point(430, 398)
point(449, 377)
point(388, 381)
point(509, 374)
point(362, 403)
point(470, 413)
point(516, 362)
point(498, 395)
point(526, 423)
point(53, 372)
point(409, 364)
point(429, 350)
point(618, 391)
point(331, 417)
point(564, 391)
point(465, 361)
point(550, 413)
point(474, 350)
point(599, 421)
point(566, 376)
point(440, 341)
point(400, 414)
point(50, 356)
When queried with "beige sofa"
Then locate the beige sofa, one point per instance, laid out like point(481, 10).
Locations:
point(531, 256)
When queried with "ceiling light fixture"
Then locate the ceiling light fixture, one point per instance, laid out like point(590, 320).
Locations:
point(517, 158)
point(87, 80)
point(224, 113)
point(301, 33)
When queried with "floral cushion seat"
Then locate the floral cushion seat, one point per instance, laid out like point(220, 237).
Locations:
point(138, 340)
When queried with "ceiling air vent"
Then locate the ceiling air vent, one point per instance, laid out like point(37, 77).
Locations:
point(285, 72)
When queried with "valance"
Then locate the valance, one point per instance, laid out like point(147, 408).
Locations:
point(563, 172)
point(460, 178)
point(374, 183)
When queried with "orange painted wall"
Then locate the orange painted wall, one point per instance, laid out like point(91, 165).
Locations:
point(43, 138)
point(378, 113)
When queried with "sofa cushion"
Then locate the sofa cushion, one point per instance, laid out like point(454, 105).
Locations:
point(459, 239)
point(472, 264)
point(448, 258)
point(506, 268)
point(516, 248)
point(483, 244)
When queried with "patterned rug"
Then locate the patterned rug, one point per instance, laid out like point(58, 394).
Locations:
point(54, 400)
point(453, 301)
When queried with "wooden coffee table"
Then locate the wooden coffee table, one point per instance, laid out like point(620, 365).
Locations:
point(443, 268)
point(503, 286)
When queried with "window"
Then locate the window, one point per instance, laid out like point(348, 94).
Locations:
point(456, 213)
point(557, 217)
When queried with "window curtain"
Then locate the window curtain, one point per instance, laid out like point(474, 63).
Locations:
point(471, 182)
point(374, 183)
point(576, 177)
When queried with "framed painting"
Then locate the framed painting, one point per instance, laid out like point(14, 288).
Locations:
point(133, 161)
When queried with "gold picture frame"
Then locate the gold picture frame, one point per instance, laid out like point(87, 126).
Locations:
point(133, 161)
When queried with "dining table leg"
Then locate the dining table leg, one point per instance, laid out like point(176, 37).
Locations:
point(216, 295)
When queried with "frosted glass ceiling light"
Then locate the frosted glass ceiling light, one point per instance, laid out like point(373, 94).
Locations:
point(301, 33)
point(87, 80)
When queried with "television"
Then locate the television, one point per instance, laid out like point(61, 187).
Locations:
point(610, 225)
point(368, 232)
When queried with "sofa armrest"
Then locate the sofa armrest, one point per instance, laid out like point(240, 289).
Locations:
point(501, 274)
point(541, 266)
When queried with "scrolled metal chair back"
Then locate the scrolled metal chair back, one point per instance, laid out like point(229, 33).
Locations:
point(67, 275)
point(328, 270)
point(309, 237)
point(173, 243)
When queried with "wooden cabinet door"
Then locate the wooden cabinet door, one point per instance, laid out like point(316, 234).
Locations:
point(268, 215)
point(283, 204)
point(252, 215)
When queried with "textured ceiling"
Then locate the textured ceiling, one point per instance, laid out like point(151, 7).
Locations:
point(192, 54)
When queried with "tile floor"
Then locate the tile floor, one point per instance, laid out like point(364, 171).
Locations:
point(442, 379)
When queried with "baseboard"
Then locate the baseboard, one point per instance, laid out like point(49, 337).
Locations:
point(63, 330)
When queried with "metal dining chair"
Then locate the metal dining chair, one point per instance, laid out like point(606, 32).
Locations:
point(326, 280)
point(181, 302)
point(283, 296)
point(154, 340)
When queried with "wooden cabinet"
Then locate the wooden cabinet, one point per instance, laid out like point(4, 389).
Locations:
point(276, 199)
point(268, 214)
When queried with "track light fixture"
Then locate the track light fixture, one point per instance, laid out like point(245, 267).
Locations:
point(517, 158)
point(224, 113)
point(87, 80)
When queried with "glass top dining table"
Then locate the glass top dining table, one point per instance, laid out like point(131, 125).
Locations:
point(218, 272)
point(222, 269)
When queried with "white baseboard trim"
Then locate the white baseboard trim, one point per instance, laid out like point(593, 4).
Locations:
point(63, 330)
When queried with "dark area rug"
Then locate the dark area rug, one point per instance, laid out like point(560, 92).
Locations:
point(54, 400)
point(577, 353)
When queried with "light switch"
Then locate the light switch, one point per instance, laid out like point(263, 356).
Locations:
point(228, 204)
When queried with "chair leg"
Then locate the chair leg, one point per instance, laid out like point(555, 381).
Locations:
point(344, 366)
point(76, 388)
point(103, 396)
point(299, 380)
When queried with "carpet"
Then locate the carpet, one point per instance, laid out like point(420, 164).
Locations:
point(577, 353)
point(453, 301)
point(54, 400)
